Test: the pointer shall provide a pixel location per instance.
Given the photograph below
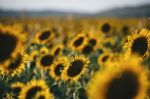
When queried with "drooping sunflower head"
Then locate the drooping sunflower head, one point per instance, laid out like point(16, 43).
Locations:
point(77, 67)
point(138, 43)
point(58, 66)
point(10, 44)
point(44, 36)
point(125, 79)
point(16, 65)
point(32, 88)
point(45, 61)
point(78, 42)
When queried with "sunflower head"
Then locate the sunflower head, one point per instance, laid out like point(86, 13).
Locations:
point(125, 29)
point(138, 43)
point(104, 58)
point(10, 44)
point(94, 40)
point(58, 66)
point(106, 27)
point(77, 67)
point(78, 42)
point(123, 79)
point(16, 65)
point(45, 61)
point(44, 36)
point(32, 88)
point(87, 49)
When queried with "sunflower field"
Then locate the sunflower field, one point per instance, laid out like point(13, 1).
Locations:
point(74, 58)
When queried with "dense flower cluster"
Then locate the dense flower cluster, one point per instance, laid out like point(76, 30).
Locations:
point(74, 58)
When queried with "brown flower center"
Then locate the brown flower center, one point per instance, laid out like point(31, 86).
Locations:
point(8, 44)
point(140, 46)
point(75, 68)
point(123, 87)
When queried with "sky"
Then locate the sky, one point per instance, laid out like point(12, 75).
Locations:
point(82, 6)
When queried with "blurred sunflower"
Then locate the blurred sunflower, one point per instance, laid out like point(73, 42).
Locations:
point(57, 49)
point(17, 87)
point(78, 42)
point(94, 40)
point(125, 79)
point(104, 58)
point(43, 95)
point(125, 29)
point(58, 66)
point(138, 43)
point(32, 88)
point(16, 65)
point(77, 67)
point(10, 42)
point(106, 27)
point(87, 49)
point(44, 36)
point(45, 61)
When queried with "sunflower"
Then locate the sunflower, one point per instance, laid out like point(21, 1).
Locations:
point(125, 79)
point(78, 42)
point(106, 27)
point(138, 43)
point(58, 66)
point(104, 58)
point(77, 67)
point(16, 65)
point(44, 36)
point(94, 40)
point(43, 95)
point(32, 88)
point(45, 61)
point(125, 29)
point(87, 49)
point(17, 87)
point(57, 49)
point(10, 43)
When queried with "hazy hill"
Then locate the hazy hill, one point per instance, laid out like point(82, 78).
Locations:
point(140, 11)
